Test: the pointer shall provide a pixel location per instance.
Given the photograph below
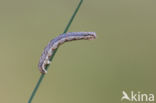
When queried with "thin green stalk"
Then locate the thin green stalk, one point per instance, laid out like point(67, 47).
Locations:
point(42, 75)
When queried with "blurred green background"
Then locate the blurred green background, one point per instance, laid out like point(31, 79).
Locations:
point(123, 57)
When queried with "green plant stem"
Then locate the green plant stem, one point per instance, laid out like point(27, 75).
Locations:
point(42, 75)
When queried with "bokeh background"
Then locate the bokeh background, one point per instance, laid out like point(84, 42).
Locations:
point(123, 57)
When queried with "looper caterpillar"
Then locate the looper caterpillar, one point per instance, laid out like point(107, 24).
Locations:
point(54, 43)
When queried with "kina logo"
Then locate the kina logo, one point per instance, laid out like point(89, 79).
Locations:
point(137, 96)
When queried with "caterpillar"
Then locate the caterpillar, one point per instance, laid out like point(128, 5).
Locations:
point(54, 44)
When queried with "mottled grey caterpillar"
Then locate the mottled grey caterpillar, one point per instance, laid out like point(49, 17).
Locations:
point(54, 43)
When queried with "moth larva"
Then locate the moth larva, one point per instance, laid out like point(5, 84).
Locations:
point(54, 43)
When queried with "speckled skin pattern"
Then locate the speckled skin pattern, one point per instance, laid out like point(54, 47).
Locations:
point(54, 43)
